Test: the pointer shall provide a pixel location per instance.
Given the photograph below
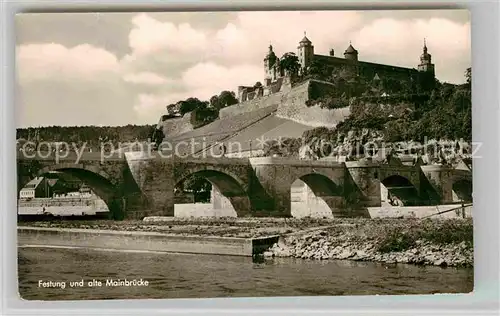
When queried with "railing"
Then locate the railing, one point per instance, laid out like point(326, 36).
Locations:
point(461, 207)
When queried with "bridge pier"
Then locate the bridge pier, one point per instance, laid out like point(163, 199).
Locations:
point(153, 186)
point(282, 203)
point(276, 181)
point(363, 184)
point(441, 180)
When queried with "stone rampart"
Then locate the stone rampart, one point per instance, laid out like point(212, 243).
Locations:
point(251, 105)
point(294, 106)
point(291, 104)
point(176, 125)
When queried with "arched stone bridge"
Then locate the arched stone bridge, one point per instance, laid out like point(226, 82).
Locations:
point(135, 186)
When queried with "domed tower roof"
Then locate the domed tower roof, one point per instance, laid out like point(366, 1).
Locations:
point(425, 54)
point(350, 50)
point(305, 40)
point(270, 54)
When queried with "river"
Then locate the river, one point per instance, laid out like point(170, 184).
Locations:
point(203, 276)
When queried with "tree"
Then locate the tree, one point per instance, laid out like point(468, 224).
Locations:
point(317, 70)
point(171, 108)
point(227, 98)
point(468, 75)
point(203, 115)
point(214, 101)
point(191, 104)
point(290, 62)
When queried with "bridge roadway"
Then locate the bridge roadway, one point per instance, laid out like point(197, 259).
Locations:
point(71, 156)
point(136, 184)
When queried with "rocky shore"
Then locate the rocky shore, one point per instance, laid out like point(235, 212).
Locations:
point(440, 243)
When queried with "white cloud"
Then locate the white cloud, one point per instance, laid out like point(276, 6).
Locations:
point(54, 61)
point(201, 81)
point(171, 61)
point(400, 43)
point(150, 35)
point(215, 78)
point(248, 39)
point(149, 107)
point(70, 86)
point(147, 78)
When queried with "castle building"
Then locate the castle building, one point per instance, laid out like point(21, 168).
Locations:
point(368, 70)
point(305, 52)
point(275, 76)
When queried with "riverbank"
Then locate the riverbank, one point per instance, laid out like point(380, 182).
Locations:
point(422, 242)
point(202, 226)
point(441, 242)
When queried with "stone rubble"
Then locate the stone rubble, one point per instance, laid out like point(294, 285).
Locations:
point(321, 246)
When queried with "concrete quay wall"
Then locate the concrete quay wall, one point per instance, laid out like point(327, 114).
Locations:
point(141, 241)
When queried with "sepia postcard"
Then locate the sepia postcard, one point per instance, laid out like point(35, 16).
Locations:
point(243, 154)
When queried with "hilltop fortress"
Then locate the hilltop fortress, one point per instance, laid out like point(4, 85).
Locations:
point(287, 101)
point(276, 78)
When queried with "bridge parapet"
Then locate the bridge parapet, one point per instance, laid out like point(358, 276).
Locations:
point(364, 163)
point(259, 161)
point(442, 179)
point(69, 157)
point(142, 183)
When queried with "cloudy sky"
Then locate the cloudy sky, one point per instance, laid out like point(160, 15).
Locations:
point(124, 68)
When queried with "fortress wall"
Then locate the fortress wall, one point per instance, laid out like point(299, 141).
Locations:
point(290, 102)
point(251, 105)
point(175, 126)
point(294, 106)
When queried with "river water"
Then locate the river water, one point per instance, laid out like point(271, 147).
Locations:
point(204, 276)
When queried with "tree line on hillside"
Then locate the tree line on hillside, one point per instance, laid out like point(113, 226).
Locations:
point(92, 136)
point(204, 112)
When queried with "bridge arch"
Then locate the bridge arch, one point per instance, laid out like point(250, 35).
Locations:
point(227, 183)
point(316, 194)
point(398, 190)
point(68, 167)
point(321, 184)
point(98, 180)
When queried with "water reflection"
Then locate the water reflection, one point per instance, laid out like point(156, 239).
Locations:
point(191, 276)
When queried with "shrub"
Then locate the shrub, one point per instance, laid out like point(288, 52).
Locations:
point(396, 241)
point(448, 232)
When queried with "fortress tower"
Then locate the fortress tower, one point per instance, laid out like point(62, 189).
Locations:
point(351, 53)
point(426, 64)
point(305, 52)
point(427, 75)
point(269, 66)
